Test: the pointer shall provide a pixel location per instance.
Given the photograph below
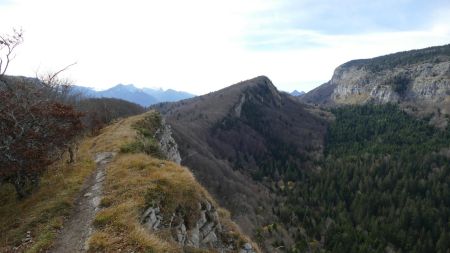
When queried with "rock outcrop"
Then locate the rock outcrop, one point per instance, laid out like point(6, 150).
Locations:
point(167, 143)
point(420, 81)
point(204, 231)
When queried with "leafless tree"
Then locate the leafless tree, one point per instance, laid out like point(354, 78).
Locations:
point(58, 88)
point(9, 42)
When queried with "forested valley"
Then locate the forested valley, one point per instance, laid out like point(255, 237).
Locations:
point(383, 185)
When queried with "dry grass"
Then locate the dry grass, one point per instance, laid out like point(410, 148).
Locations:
point(43, 213)
point(132, 181)
point(137, 181)
point(130, 178)
point(116, 135)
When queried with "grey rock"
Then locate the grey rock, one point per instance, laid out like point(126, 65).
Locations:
point(248, 248)
point(151, 218)
point(205, 233)
point(426, 82)
point(211, 237)
point(194, 238)
point(96, 201)
point(238, 107)
point(104, 157)
point(167, 143)
point(181, 234)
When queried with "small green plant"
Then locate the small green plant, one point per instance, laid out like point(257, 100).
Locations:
point(146, 141)
point(103, 218)
point(132, 147)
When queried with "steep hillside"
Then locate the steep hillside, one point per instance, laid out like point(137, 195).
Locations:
point(417, 78)
point(144, 203)
point(383, 186)
point(240, 141)
point(158, 203)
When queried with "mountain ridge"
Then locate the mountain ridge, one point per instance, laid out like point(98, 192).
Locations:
point(297, 93)
point(228, 138)
point(142, 96)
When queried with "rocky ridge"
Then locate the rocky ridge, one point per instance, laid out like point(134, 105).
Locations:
point(198, 226)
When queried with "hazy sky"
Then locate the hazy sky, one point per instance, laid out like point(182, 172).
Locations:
point(204, 45)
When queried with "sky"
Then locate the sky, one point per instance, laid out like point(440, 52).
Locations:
point(201, 46)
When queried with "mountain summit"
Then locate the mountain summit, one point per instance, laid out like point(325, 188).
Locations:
point(236, 140)
point(297, 93)
point(144, 97)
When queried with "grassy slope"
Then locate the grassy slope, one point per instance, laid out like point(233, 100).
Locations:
point(130, 178)
point(133, 180)
point(43, 213)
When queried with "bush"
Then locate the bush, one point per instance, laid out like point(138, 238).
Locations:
point(36, 129)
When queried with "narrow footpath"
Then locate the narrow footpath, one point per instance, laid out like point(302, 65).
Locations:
point(73, 237)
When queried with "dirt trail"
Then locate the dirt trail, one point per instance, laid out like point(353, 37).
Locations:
point(73, 237)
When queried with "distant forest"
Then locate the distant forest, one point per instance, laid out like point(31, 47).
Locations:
point(377, 64)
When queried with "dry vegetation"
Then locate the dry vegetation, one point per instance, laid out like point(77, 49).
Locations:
point(272, 132)
point(133, 182)
point(130, 178)
point(43, 213)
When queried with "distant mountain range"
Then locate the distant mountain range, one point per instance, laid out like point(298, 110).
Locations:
point(129, 92)
point(297, 93)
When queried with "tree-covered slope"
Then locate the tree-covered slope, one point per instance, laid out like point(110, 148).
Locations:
point(384, 185)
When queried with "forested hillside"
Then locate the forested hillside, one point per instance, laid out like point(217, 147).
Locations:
point(383, 185)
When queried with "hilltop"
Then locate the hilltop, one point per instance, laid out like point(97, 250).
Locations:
point(240, 141)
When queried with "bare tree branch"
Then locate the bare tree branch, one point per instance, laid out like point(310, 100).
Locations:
point(8, 43)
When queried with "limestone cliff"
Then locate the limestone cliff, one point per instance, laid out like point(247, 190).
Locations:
point(424, 81)
point(418, 76)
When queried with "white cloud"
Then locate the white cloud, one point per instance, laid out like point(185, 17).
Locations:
point(196, 45)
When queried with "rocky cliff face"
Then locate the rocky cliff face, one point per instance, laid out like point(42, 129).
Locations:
point(417, 76)
point(203, 231)
point(167, 144)
point(425, 81)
